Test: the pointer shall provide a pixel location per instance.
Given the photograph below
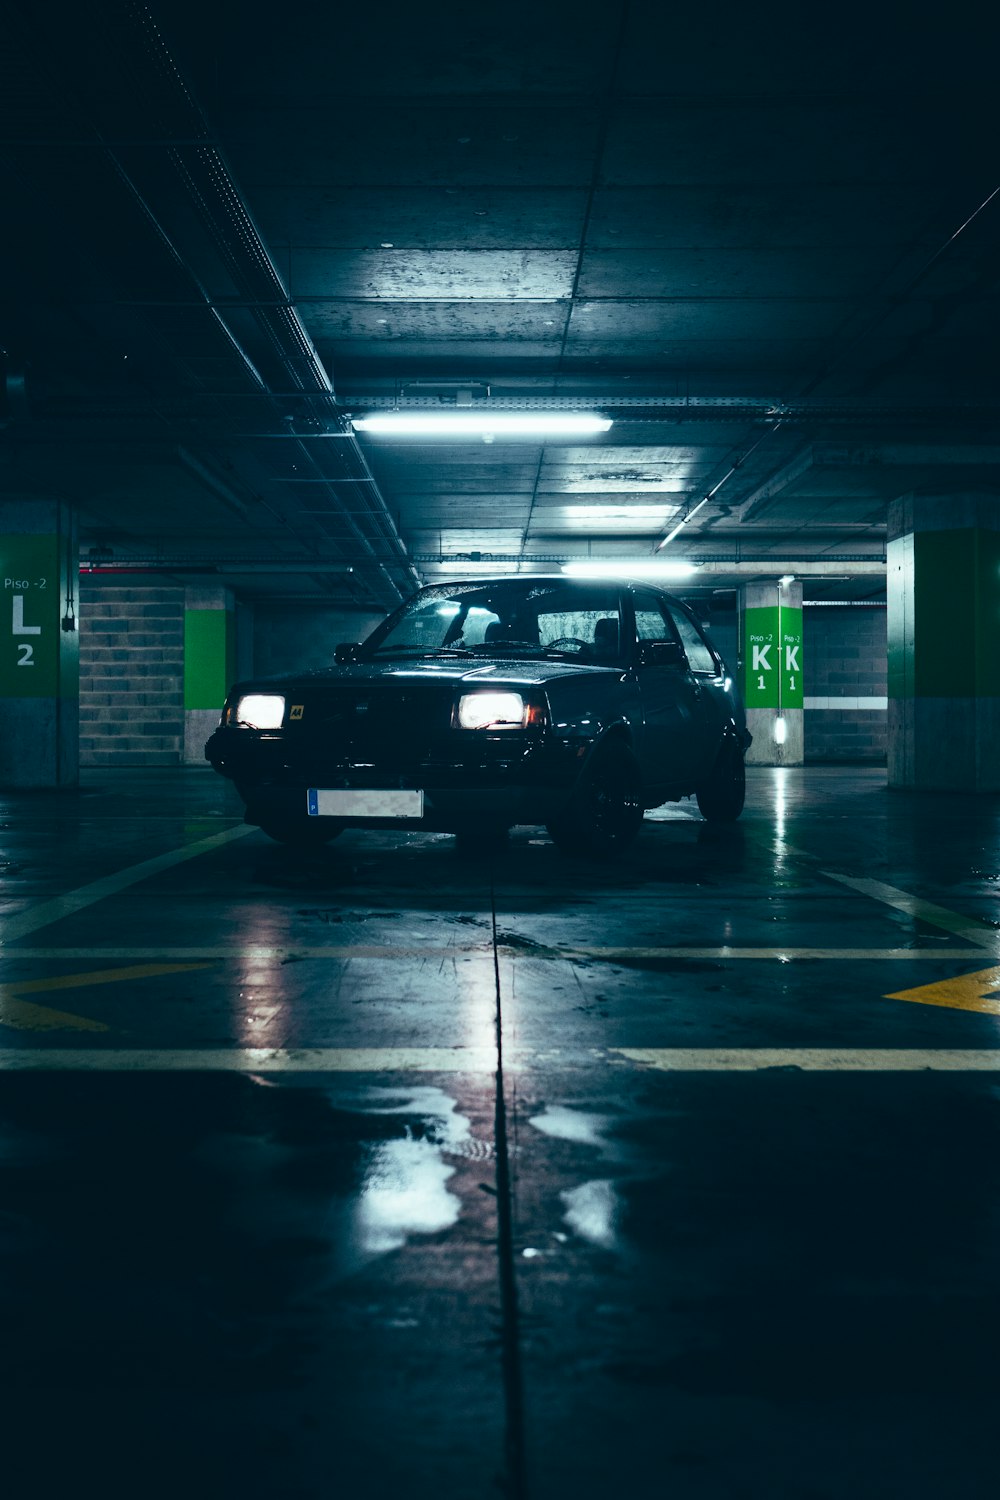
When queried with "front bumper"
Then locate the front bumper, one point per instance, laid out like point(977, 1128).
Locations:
point(497, 779)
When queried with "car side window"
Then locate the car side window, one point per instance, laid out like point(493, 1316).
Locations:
point(650, 622)
point(700, 658)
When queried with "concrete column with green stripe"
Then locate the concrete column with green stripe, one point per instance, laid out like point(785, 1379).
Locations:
point(771, 671)
point(943, 581)
point(39, 644)
point(209, 664)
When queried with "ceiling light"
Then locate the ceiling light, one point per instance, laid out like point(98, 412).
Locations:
point(639, 569)
point(481, 423)
point(787, 579)
point(682, 523)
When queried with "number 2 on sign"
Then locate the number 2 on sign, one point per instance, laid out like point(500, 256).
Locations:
point(26, 655)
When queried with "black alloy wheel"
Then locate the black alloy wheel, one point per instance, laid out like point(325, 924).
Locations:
point(721, 797)
point(604, 812)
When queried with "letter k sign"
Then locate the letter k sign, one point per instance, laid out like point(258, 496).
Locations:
point(791, 658)
point(760, 661)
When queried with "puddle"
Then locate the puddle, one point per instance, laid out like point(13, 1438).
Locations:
point(593, 1211)
point(404, 1192)
point(564, 1124)
point(404, 1189)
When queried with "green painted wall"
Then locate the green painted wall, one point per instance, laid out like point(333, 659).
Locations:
point(30, 617)
point(209, 656)
point(772, 657)
point(944, 616)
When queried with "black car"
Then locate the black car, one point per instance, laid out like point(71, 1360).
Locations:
point(485, 703)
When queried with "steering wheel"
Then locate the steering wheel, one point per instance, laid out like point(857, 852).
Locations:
point(562, 641)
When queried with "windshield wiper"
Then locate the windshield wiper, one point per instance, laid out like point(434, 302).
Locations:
point(384, 653)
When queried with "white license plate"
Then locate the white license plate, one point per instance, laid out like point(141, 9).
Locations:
point(350, 803)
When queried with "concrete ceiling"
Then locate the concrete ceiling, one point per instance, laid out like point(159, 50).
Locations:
point(763, 242)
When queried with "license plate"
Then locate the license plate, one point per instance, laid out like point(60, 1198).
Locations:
point(341, 802)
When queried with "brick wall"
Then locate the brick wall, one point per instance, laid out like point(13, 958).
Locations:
point(845, 667)
point(131, 674)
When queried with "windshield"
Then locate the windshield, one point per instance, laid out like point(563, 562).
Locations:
point(508, 617)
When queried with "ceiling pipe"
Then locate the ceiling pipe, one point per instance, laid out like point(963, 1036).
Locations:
point(138, 77)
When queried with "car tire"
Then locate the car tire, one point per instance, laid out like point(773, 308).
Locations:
point(721, 798)
point(604, 812)
point(302, 833)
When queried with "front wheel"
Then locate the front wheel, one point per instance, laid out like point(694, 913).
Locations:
point(604, 812)
point(721, 798)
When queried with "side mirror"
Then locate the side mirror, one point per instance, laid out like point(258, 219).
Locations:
point(661, 654)
point(345, 653)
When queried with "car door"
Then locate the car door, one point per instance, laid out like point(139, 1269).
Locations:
point(672, 737)
point(706, 673)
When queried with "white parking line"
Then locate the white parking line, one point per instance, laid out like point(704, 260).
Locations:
point(813, 1059)
point(347, 951)
point(968, 928)
point(483, 1059)
point(47, 912)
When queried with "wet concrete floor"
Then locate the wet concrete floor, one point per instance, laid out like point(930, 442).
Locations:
point(377, 1171)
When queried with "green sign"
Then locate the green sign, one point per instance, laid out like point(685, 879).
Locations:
point(209, 657)
point(29, 617)
point(772, 657)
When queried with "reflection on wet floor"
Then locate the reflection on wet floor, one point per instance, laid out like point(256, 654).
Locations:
point(731, 1286)
point(404, 1188)
point(593, 1212)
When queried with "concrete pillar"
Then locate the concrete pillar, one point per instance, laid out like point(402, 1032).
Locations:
point(209, 664)
point(771, 671)
point(39, 644)
point(944, 642)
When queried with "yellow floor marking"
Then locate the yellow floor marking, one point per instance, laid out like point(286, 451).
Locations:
point(23, 1015)
point(979, 991)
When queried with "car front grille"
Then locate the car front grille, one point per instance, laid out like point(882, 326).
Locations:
point(386, 724)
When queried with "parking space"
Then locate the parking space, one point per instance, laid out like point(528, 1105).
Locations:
point(382, 1168)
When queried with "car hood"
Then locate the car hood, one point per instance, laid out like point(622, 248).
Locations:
point(457, 672)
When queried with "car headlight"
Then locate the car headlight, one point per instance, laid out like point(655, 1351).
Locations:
point(491, 711)
point(260, 710)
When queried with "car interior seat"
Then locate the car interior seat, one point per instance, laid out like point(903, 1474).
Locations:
point(606, 638)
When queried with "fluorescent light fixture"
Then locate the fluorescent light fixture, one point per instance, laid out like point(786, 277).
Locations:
point(481, 424)
point(780, 731)
point(787, 579)
point(641, 568)
point(682, 523)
